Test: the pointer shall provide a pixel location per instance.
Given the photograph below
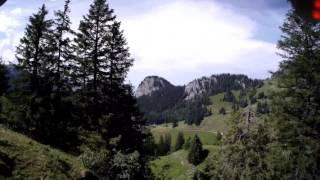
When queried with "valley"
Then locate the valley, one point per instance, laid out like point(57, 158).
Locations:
point(175, 165)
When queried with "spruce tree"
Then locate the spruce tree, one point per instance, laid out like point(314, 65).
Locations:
point(245, 150)
point(187, 144)
point(161, 146)
point(167, 142)
point(61, 49)
point(179, 141)
point(34, 92)
point(64, 122)
point(102, 64)
point(195, 155)
point(92, 47)
point(296, 106)
point(3, 77)
point(32, 53)
point(222, 111)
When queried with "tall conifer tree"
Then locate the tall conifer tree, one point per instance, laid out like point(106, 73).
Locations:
point(296, 107)
point(32, 53)
point(92, 46)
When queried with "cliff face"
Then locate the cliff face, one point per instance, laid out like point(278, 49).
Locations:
point(161, 101)
point(199, 87)
point(152, 84)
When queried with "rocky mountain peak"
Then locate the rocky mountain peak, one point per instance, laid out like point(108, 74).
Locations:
point(151, 84)
point(199, 87)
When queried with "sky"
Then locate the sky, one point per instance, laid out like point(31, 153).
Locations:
point(179, 40)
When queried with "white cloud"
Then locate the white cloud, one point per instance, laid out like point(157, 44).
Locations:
point(11, 30)
point(178, 39)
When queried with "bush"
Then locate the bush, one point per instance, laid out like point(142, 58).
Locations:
point(222, 111)
point(219, 136)
point(116, 166)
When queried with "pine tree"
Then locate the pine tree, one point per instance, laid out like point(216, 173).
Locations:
point(92, 47)
point(179, 141)
point(62, 50)
point(222, 111)
point(167, 143)
point(3, 77)
point(161, 146)
point(245, 150)
point(195, 155)
point(187, 144)
point(32, 53)
point(102, 65)
point(33, 95)
point(228, 96)
point(296, 107)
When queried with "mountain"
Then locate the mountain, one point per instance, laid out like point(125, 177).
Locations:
point(217, 84)
point(155, 94)
point(163, 102)
point(152, 84)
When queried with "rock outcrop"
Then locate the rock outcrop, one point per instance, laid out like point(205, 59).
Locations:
point(151, 84)
point(199, 87)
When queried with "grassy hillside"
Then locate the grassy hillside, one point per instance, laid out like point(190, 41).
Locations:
point(21, 157)
point(175, 165)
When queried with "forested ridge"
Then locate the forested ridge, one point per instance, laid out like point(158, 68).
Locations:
point(171, 103)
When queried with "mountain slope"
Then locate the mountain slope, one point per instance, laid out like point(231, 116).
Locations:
point(21, 157)
point(163, 102)
point(175, 165)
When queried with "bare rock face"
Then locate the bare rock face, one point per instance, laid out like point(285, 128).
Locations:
point(199, 87)
point(151, 84)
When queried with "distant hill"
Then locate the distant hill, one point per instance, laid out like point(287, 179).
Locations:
point(163, 102)
point(175, 165)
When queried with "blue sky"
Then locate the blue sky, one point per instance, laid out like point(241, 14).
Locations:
point(179, 40)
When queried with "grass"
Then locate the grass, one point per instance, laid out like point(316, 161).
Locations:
point(206, 137)
point(21, 157)
point(175, 166)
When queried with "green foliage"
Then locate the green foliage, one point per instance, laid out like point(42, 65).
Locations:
point(228, 97)
point(187, 144)
point(25, 158)
point(295, 107)
point(245, 150)
point(113, 166)
point(69, 87)
point(4, 84)
point(219, 136)
point(261, 95)
point(243, 102)
point(175, 124)
point(222, 111)
point(179, 141)
point(150, 147)
point(167, 143)
point(196, 153)
point(263, 107)
point(168, 104)
point(164, 145)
